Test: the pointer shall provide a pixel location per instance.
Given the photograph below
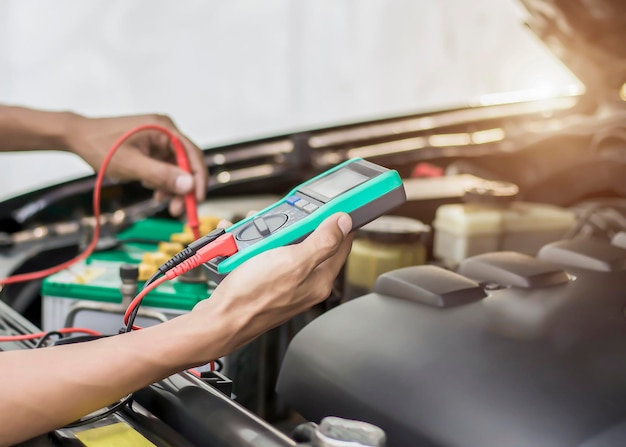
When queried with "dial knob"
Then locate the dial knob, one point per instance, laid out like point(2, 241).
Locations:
point(261, 226)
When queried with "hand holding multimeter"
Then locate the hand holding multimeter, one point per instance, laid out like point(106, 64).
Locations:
point(357, 187)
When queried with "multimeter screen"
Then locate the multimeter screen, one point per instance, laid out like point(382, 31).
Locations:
point(338, 182)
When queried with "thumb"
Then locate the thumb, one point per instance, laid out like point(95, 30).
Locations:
point(326, 239)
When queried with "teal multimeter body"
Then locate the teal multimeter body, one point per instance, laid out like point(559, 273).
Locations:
point(357, 187)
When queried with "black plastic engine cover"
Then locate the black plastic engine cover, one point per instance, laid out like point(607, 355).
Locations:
point(534, 363)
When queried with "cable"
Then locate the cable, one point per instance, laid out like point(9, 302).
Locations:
point(137, 301)
point(135, 309)
point(220, 365)
point(223, 245)
point(4, 324)
point(100, 414)
point(175, 260)
point(190, 203)
point(67, 330)
point(216, 243)
point(190, 250)
point(44, 339)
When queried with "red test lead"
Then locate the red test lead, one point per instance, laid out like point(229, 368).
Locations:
point(224, 245)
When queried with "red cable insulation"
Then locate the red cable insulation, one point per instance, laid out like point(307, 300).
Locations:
point(140, 296)
point(224, 245)
point(66, 330)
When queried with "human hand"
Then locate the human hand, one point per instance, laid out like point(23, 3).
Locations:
point(272, 287)
point(146, 156)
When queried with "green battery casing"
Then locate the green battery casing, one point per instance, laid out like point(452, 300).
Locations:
point(103, 284)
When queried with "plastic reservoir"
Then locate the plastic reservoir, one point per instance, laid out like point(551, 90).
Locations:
point(385, 244)
point(464, 230)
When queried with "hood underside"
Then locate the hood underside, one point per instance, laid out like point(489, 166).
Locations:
point(588, 36)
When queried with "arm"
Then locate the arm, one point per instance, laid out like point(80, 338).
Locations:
point(146, 156)
point(46, 388)
point(23, 129)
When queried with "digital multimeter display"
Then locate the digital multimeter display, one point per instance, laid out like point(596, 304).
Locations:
point(338, 182)
point(358, 187)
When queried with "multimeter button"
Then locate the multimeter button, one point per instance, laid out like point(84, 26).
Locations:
point(310, 208)
point(301, 203)
point(261, 226)
point(292, 200)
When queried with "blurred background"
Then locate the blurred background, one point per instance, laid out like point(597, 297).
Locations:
point(237, 70)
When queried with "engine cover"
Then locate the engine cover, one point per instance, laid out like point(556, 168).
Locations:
point(510, 350)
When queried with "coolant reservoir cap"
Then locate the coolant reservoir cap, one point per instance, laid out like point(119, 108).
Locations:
point(394, 229)
point(491, 192)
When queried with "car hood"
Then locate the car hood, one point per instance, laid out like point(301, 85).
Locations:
point(587, 35)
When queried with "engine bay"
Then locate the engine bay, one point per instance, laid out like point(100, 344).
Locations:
point(488, 309)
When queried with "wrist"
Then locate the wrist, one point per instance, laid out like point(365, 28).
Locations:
point(230, 318)
point(24, 129)
point(70, 125)
point(196, 338)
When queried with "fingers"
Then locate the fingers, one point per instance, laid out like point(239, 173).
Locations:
point(194, 155)
point(227, 223)
point(326, 240)
point(157, 174)
point(333, 264)
point(177, 206)
point(176, 203)
point(199, 172)
point(321, 280)
point(223, 224)
point(272, 287)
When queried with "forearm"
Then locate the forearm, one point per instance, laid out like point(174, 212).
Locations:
point(44, 389)
point(23, 129)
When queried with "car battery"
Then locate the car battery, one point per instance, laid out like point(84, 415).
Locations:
point(88, 294)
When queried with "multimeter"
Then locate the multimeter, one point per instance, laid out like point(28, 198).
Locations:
point(357, 187)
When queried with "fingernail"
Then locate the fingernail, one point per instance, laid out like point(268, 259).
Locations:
point(345, 224)
point(184, 183)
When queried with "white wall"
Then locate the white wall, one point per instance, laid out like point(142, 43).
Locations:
point(233, 70)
